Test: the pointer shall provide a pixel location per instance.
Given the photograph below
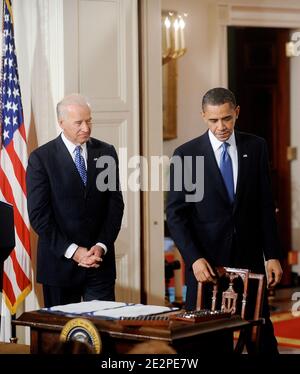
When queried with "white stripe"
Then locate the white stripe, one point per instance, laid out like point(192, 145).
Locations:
point(23, 257)
point(19, 196)
point(21, 148)
point(10, 272)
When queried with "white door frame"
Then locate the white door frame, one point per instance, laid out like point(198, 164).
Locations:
point(153, 284)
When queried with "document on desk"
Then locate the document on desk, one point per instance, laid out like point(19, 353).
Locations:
point(108, 309)
point(134, 310)
point(85, 307)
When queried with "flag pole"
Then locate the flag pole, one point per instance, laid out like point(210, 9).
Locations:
point(13, 338)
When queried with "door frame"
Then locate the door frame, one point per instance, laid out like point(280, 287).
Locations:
point(151, 130)
point(254, 15)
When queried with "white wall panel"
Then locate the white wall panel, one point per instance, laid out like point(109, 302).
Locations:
point(101, 62)
point(99, 54)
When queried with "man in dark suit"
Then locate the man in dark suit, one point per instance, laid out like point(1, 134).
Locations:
point(7, 235)
point(76, 212)
point(233, 223)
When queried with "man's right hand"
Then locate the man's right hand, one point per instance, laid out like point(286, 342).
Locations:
point(86, 258)
point(203, 271)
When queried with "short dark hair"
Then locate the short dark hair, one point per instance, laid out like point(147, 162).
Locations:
point(218, 96)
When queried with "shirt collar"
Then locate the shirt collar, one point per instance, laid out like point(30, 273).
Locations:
point(216, 143)
point(71, 146)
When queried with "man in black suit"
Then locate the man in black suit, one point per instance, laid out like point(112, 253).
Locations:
point(7, 235)
point(76, 212)
point(233, 223)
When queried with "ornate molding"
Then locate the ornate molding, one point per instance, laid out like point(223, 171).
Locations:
point(259, 15)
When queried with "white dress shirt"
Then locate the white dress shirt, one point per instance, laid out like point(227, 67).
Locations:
point(71, 148)
point(232, 150)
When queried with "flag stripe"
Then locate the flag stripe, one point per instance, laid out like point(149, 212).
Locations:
point(22, 256)
point(21, 278)
point(17, 166)
point(22, 132)
point(9, 270)
point(20, 145)
point(14, 268)
point(12, 187)
point(7, 286)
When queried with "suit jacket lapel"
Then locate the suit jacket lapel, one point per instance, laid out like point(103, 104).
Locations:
point(93, 155)
point(65, 161)
point(243, 165)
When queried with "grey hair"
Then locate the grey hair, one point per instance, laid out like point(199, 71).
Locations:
point(218, 96)
point(73, 99)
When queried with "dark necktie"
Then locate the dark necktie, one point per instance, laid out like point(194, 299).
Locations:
point(226, 170)
point(80, 164)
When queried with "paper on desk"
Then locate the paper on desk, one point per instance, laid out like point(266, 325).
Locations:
point(134, 310)
point(109, 309)
point(86, 307)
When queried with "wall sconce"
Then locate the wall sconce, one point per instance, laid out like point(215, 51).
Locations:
point(173, 40)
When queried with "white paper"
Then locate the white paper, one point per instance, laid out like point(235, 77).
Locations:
point(109, 309)
point(86, 307)
point(135, 310)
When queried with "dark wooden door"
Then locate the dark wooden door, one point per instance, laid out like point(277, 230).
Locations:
point(258, 72)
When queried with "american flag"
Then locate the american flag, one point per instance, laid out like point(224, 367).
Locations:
point(13, 162)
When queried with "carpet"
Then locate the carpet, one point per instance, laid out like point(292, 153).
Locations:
point(287, 329)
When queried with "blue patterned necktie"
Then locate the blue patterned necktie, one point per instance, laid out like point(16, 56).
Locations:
point(80, 164)
point(226, 170)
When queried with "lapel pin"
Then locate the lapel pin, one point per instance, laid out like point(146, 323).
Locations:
point(245, 155)
point(95, 159)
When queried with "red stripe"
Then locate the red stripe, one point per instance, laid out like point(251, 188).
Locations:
point(22, 131)
point(7, 287)
point(21, 277)
point(20, 225)
point(17, 165)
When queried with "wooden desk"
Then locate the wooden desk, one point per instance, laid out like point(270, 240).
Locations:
point(184, 337)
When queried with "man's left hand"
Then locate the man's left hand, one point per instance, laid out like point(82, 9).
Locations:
point(93, 257)
point(274, 272)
